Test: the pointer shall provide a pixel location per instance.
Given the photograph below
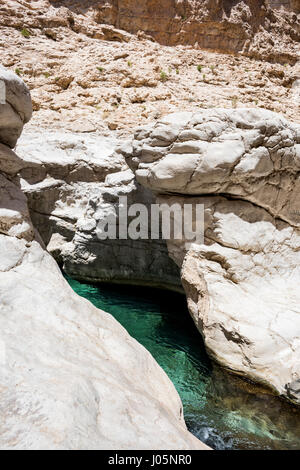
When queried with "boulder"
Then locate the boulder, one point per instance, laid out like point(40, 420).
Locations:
point(72, 181)
point(71, 376)
point(15, 107)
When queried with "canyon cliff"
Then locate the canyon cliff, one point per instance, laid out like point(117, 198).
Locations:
point(241, 282)
point(254, 28)
point(71, 376)
point(173, 102)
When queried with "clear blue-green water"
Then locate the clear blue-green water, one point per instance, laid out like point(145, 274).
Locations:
point(222, 410)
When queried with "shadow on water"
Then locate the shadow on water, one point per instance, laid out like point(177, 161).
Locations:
point(222, 410)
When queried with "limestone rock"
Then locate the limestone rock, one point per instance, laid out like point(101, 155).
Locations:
point(71, 376)
point(241, 290)
point(15, 107)
point(10, 163)
point(67, 157)
point(14, 215)
point(72, 182)
point(255, 28)
point(293, 391)
point(227, 26)
point(81, 79)
point(241, 283)
point(244, 153)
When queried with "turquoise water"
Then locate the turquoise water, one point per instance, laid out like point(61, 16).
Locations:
point(223, 411)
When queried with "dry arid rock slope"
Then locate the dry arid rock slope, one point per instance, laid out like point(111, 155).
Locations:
point(88, 76)
point(242, 283)
point(71, 376)
point(248, 26)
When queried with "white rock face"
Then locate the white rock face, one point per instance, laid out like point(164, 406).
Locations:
point(72, 182)
point(14, 214)
point(70, 376)
point(241, 284)
point(67, 157)
point(244, 153)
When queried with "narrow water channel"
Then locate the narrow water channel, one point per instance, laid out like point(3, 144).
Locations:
point(223, 411)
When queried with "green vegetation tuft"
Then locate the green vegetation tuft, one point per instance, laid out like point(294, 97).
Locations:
point(25, 33)
point(163, 76)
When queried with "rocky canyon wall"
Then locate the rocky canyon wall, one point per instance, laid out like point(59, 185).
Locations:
point(241, 282)
point(72, 182)
point(71, 376)
point(249, 27)
point(242, 164)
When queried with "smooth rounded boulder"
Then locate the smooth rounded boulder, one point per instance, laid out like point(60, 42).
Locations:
point(15, 107)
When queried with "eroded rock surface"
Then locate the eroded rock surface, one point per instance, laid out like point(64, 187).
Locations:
point(241, 284)
point(15, 107)
point(247, 154)
point(87, 76)
point(72, 182)
point(71, 376)
point(14, 213)
point(233, 26)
